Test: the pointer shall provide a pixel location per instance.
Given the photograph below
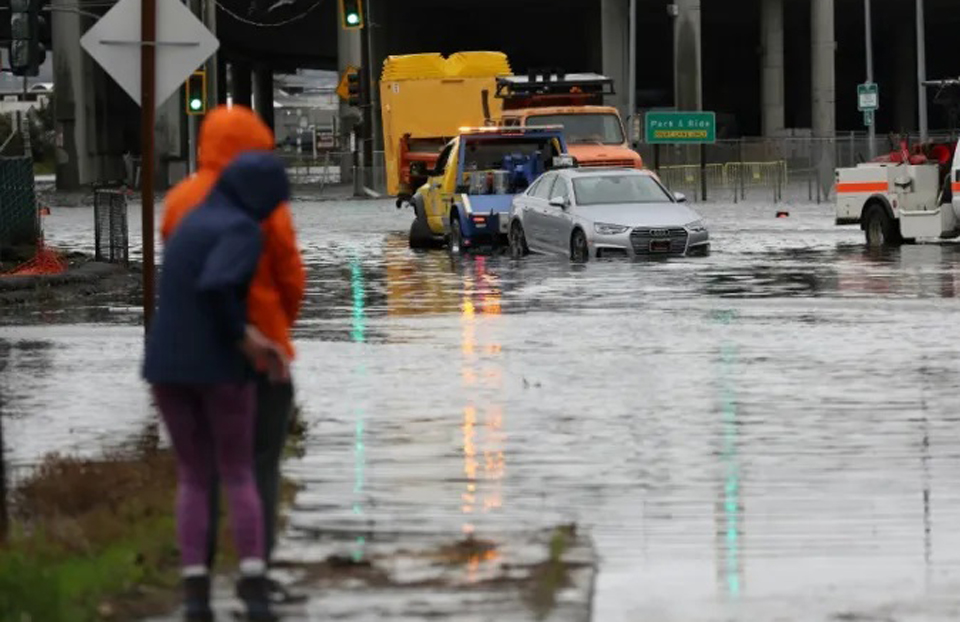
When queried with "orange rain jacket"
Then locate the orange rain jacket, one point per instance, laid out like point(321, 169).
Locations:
point(276, 293)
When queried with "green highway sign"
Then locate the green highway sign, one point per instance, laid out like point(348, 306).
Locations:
point(868, 96)
point(680, 127)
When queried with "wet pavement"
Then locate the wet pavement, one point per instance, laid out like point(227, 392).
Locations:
point(768, 433)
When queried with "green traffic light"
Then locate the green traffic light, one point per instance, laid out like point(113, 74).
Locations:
point(196, 104)
point(353, 18)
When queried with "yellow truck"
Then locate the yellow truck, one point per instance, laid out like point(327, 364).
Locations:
point(425, 100)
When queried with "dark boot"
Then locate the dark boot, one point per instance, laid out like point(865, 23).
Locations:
point(255, 594)
point(196, 599)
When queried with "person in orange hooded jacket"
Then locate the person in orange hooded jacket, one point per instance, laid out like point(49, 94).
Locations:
point(274, 299)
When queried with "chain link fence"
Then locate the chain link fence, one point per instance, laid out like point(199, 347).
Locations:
point(111, 232)
point(792, 169)
point(788, 169)
point(19, 216)
point(335, 168)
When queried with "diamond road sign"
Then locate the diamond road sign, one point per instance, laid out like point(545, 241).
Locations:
point(868, 96)
point(183, 44)
point(680, 127)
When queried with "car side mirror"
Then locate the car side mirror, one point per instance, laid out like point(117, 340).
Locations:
point(680, 197)
point(560, 202)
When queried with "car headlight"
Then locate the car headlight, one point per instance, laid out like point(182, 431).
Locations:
point(696, 226)
point(606, 229)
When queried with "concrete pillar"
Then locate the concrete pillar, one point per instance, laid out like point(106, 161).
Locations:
point(264, 98)
point(614, 22)
point(73, 165)
point(348, 55)
point(688, 82)
point(771, 38)
point(823, 87)
point(241, 76)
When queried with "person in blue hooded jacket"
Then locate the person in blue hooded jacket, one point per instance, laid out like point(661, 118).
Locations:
point(199, 361)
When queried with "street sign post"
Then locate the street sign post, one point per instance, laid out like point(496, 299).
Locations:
point(172, 43)
point(868, 97)
point(868, 118)
point(679, 128)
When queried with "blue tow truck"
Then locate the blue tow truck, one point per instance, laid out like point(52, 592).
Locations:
point(466, 199)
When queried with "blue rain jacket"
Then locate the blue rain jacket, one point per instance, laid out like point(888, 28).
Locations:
point(208, 265)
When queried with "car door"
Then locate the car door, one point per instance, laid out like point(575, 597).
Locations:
point(557, 222)
point(538, 202)
point(434, 203)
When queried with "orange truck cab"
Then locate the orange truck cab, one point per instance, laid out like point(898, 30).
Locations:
point(594, 133)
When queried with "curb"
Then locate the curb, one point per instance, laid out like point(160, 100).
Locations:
point(89, 272)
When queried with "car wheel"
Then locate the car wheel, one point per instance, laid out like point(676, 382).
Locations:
point(579, 249)
point(456, 235)
point(879, 229)
point(518, 241)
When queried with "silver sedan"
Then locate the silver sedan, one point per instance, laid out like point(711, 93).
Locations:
point(586, 213)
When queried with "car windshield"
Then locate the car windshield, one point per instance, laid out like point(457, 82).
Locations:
point(601, 128)
point(607, 189)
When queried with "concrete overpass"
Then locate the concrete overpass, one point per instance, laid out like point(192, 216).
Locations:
point(767, 67)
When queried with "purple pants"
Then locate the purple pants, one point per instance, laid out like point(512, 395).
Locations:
point(207, 422)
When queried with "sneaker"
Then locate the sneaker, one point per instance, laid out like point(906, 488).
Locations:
point(196, 599)
point(281, 595)
point(255, 594)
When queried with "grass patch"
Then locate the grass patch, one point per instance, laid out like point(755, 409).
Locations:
point(95, 539)
point(85, 532)
point(552, 575)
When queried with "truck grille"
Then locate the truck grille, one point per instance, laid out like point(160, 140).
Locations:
point(608, 164)
point(642, 236)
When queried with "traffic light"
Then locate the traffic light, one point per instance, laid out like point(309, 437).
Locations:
point(196, 90)
point(26, 24)
point(351, 12)
point(355, 88)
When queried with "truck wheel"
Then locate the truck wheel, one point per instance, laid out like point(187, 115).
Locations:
point(456, 235)
point(421, 238)
point(518, 241)
point(880, 230)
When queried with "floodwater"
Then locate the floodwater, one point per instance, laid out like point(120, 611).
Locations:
point(768, 433)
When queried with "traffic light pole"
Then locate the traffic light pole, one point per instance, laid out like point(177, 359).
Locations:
point(195, 6)
point(366, 91)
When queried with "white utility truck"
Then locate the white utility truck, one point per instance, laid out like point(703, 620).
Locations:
point(902, 198)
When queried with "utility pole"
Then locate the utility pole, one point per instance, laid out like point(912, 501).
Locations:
point(148, 88)
point(872, 129)
point(209, 18)
point(922, 71)
point(632, 67)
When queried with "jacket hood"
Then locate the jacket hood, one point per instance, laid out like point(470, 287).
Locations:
point(256, 182)
point(229, 131)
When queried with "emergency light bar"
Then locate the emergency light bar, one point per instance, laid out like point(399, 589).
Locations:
point(554, 84)
point(510, 129)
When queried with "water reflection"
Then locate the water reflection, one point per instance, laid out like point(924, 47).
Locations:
point(730, 529)
point(484, 464)
point(358, 333)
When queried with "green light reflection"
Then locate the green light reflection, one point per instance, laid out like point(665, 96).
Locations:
point(730, 458)
point(358, 335)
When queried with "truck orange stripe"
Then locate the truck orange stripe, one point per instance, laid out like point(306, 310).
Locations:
point(863, 186)
point(956, 186)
